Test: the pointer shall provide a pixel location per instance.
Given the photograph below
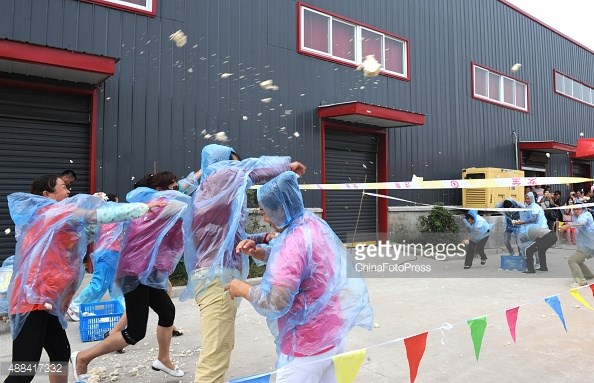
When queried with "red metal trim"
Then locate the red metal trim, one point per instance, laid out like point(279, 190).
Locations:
point(93, 95)
point(362, 109)
point(566, 95)
point(337, 60)
point(108, 3)
point(488, 100)
point(382, 168)
point(323, 170)
point(546, 146)
point(36, 54)
point(521, 11)
point(93, 143)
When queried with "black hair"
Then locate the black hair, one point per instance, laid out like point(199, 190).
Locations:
point(234, 154)
point(557, 192)
point(69, 173)
point(468, 216)
point(507, 204)
point(160, 180)
point(45, 183)
point(111, 197)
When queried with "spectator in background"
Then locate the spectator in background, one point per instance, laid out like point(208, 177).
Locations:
point(557, 198)
point(68, 176)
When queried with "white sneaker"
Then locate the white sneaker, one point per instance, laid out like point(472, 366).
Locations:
point(578, 284)
point(73, 315)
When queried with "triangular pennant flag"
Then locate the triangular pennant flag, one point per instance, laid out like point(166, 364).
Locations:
point(260, 378)
point(347, 365)
point(553, 301)
point(576, 294)
point(512, 318)
point(592, 288)
point(415, 348)
point(477, 331)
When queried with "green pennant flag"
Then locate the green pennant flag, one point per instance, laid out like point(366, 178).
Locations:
point(477, 331)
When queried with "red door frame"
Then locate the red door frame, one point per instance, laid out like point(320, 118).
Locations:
point(382, 168)
point(93, 94)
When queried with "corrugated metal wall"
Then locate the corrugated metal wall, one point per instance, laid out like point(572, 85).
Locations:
point(162, 97)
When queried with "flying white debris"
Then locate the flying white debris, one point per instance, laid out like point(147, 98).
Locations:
point(296, 134)
point(516, 67)
point(268, 85)
point(226, 75)
point(221, 136)
point(370, 66)
point(179, 38)
point(266, 100)
point(245, 118)
point(7, 231)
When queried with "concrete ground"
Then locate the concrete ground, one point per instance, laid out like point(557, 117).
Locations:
point(404, 307)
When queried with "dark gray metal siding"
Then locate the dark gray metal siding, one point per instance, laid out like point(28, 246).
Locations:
point(154, 108)
point(40, 133)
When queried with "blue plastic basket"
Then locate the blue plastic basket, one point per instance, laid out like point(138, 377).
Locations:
point(98, 318)
point(512, 262)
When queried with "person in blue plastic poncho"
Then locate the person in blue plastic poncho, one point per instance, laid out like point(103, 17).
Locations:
point(151, 249)
point(105, 257)
point(307, 297)
point(219, 214)
point(585, 246)
point(478, 235)
point(52, 236)
point(529, 219)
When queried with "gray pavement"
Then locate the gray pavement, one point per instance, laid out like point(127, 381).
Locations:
point(404, 307)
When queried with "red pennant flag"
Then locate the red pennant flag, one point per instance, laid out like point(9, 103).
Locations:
point(415, 348)
point(512, 317)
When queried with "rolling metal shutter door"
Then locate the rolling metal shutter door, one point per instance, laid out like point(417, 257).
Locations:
point(349, 158)
point(40, 133)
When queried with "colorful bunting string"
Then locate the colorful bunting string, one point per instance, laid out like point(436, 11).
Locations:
point(553, 301)
point(477, 331)
point(576, 294)
point(512, 318)
point(415, 348)
point(347, 365)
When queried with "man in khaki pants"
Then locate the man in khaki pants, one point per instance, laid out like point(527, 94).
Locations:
point(585, 246)
point(219, 211)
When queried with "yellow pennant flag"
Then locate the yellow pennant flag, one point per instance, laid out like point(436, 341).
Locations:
point(347, 365)
point(576, 294)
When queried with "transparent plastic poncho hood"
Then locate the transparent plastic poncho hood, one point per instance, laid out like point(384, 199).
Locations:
point(52, 239)
point(219, 216)
point(308, 294)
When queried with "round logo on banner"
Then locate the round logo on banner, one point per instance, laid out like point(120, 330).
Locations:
point(454, 184)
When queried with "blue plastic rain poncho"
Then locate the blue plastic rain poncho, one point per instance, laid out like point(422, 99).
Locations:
point(52, 240)
point(533, 218)
point(479, 229)
point(153, 244)
point(510, 215)
point(219, 214)
point(584, 225)
point(105, 256)
point(305, 295)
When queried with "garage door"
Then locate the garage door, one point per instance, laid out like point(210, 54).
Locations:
point(351, 157)
point(40, 133)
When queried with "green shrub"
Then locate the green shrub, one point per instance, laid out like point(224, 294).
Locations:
point(440, 226)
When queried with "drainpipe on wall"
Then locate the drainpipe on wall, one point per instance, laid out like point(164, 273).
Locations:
point(516, 142)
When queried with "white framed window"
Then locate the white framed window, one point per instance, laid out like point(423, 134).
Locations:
point(568, 87)
point(495, 87)
point(146, 7)
point(341, 40)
